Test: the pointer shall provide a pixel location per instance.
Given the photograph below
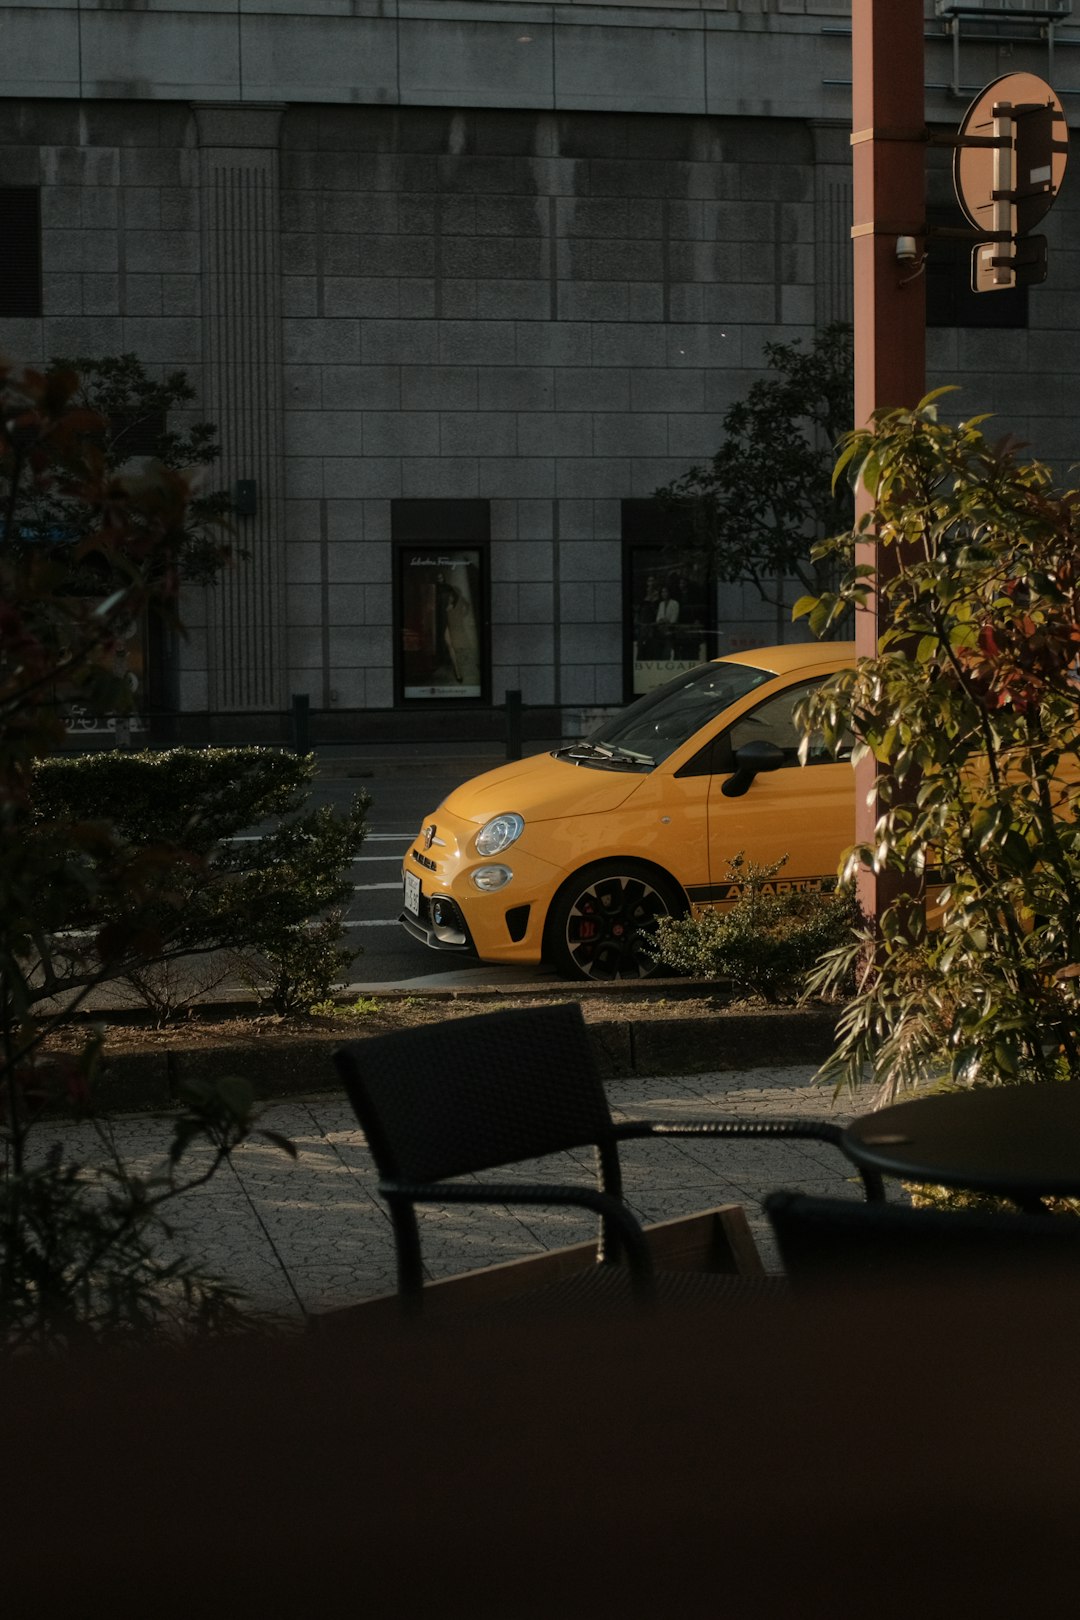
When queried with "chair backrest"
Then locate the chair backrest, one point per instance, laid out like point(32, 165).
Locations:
point(472, 1093)
point(840, 1239)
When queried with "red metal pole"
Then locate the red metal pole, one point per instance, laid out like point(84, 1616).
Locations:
point(888, 162)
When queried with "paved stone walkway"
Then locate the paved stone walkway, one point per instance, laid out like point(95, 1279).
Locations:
point(310, 1235)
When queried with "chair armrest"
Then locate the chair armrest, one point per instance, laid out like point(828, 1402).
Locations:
point(807, 1130)
point(610, 1209)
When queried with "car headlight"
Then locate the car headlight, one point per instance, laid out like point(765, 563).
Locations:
point(499, 833)
point(489, 878)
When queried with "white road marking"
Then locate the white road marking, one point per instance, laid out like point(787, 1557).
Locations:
point(373, 922)
point(363, 888)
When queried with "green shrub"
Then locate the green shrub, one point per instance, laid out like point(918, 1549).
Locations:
point(766, 943)
point(969, 710)
point(304, 965)
point(176, 873)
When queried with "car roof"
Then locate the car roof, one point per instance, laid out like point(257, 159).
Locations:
point(795, 655)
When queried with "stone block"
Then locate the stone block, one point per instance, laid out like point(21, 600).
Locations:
point(577, 604)
point(504, 603)
point(303, 562)
point(577, 682)
point(644, 344)
point(704, 346)
point(594, 301)
point(346, 605)
point(41, 52)
point(508, 216)
point(553, 343)
point(458, 300)
point(438, 388)
point(25, 338)
point(179, 208)
point(522, 561)
point(513, 300)
point(417, 298)
point(101, 295)
point(554, 433)
point(162, 251)
point(361, 388)
point(650, 472)
point(630, 434)
point(300, 57)
point(522, 258)
point(672, 388)
point(61, 206)
point(455, 478)
point(377, 522)
point(304, 605)
point(398, 256)
point(481, 63)
point(399, 343)
point(323, 433)
point(181, 295)
point(304, 648)
point(365, 297)
point(523, 477)
point(797, 305)
point(695, 436)
point(299, 209)
point(401, 433)
point(357, 563)
point(303, 477)
point(299, 295)
point(477, 433)
point(490, 343)
point(79, 250)
point(535, 604)
point(302, 386)
point(170, 341)
point(590, 560)
point(515, 388)
point(61, 294)
point(742, 304)
point(89, 334)
point(340, 255)
point(521, 644)
point(363, 478)
point(468, 173)
point(502, 515)
point(647, 68)
point(321, 342)
point(371, 213)
point(535, 520)
point(593, 476)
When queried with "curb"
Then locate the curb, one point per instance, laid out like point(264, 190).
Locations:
point(284, 1065)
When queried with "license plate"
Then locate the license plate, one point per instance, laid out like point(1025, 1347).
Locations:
point(412, 893)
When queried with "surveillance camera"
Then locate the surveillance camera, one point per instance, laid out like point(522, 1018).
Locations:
point(906, 249)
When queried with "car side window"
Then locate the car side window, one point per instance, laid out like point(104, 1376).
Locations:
point(773, 721)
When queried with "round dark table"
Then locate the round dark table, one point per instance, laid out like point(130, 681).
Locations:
point(1021, 1142)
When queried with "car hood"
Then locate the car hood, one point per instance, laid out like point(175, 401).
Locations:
point(541, 788)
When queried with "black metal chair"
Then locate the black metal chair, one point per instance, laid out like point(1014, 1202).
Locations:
point(473, 1094)
point(842, 1241)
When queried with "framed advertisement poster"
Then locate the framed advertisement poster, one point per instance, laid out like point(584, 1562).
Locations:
point(669, 625)
point(669, 602)
point(441, 607)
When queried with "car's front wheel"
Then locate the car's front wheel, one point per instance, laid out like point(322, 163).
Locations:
point(600, 921)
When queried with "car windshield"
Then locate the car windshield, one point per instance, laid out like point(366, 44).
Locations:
point(661, 721)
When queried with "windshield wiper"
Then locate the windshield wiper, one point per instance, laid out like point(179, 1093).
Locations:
point(609, 754)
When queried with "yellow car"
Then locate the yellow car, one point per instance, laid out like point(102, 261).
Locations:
point(566, 857)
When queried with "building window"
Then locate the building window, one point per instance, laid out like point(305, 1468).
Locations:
point(20, 251)
point(669, 621)
point(950, 300)
point(440, 609)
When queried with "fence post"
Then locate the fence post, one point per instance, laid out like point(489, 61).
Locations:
point(513, 725)
point(301, 729)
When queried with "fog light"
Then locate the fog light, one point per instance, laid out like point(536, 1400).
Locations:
point(490, 878)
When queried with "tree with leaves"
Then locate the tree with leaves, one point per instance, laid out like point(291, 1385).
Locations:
point(755, 512)
point(125, 413)
point(971, 711)
point(81, 1247)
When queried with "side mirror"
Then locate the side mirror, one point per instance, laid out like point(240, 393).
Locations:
point(751, 758)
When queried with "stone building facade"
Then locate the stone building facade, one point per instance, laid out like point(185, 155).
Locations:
point(461, 283)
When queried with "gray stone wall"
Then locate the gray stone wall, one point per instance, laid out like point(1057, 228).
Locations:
point(550, 313)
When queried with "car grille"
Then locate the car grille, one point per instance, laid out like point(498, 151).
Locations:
point(424, 861)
